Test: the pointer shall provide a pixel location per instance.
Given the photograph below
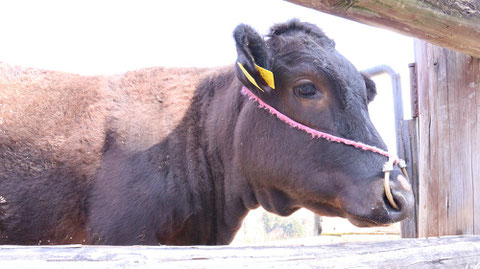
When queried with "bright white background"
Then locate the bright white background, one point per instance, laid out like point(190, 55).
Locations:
point(106, 37)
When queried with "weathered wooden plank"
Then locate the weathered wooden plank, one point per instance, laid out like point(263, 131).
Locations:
point(474, 70)
point(452, 24)
point(460, 109)
point(449, 150)
point(413, 90)
point(409, 140)
point(445, 252)
point(442, 120)
point(423, 142)
point(427, 132)
point(409, 227)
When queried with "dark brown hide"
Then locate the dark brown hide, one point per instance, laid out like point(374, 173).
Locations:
point(179, 156)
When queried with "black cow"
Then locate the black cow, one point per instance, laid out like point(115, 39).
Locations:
point(179, 156)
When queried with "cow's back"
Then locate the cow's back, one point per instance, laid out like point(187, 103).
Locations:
point(68, 116)
point(148, 104)
point(54, 129)
point(55, 116)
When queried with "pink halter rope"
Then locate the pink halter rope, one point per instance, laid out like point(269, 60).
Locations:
point(314, 133)
point(387, 167)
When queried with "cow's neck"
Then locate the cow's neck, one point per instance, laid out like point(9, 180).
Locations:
point(213, 211)
point(217, 106)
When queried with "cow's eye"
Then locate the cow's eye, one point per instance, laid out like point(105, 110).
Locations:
point(307, 90)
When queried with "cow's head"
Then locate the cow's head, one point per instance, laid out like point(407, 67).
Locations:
point(319, 88)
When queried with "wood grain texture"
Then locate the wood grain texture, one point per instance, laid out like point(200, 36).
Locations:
point(409, 139)
point(476, 145)
point(453, 24)
point(448, 90)
point(445, 252)
point(413, 90)
point(409, 143)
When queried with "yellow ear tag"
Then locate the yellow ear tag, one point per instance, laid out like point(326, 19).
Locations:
point(267, 75)
point(249, 77)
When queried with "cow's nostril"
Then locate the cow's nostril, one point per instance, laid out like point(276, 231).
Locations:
point(404, 183)
point(401, 194)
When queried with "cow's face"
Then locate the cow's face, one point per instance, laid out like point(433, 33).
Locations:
point(317, 87)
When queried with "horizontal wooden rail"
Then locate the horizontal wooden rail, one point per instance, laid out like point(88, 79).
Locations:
point(453, 24)
point(448, 252)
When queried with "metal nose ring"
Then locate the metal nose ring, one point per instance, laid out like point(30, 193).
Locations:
point(387, 168)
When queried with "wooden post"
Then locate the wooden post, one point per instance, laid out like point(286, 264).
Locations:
point(449, 141)
point(317, 225)
point(413, 90)
point(453, 24)
point(409, 143)
point(409, 140)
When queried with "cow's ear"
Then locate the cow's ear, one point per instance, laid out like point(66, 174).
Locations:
point(253, 63)
point(371, 88)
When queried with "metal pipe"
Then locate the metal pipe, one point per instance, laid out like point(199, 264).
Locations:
point(397, 97)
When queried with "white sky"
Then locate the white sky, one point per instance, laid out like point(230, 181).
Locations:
point(112, 36)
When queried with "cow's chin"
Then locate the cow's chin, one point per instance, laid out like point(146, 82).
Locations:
point(333, 211)
point(328, 211)
point(363, 222)
point(285, 212)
